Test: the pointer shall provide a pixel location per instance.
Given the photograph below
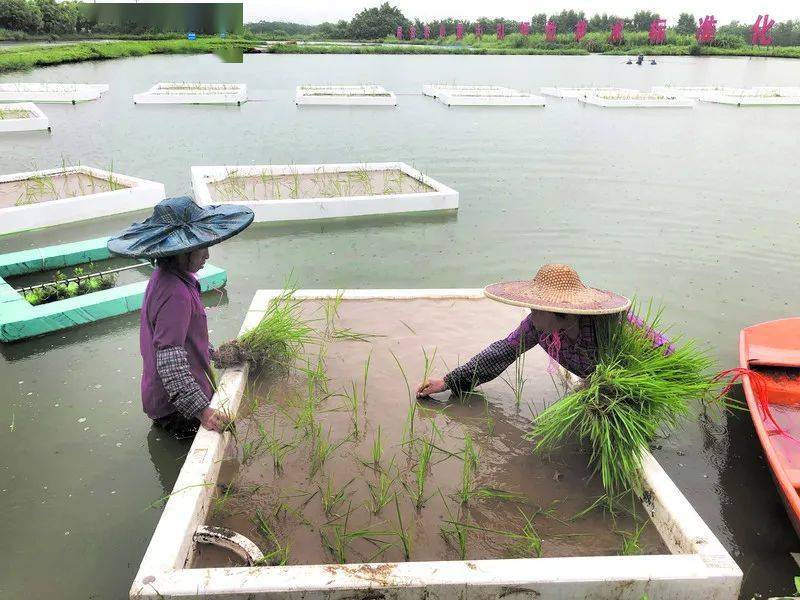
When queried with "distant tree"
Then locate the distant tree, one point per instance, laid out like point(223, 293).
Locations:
point(642, 19)
point(58, 17)
point(687, 24)
point(376, 23)
point(600, 22)
point(538, 22)
point(20, 15)
point(566, 20)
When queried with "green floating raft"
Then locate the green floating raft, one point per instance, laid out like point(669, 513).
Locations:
point(20, 320)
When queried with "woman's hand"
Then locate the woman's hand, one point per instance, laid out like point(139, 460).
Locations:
point(213, 420)
point(431, 386)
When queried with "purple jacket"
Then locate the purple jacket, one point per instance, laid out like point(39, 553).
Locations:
point(172, 315)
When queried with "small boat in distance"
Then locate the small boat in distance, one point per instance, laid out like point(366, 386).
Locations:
point(772, 351)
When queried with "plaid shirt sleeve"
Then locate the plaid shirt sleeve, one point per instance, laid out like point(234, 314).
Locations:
point(172, 364)
point(483, 367)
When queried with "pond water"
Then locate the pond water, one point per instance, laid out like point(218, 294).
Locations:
point(694, 208)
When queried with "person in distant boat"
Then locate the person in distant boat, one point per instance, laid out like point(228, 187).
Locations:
point(563, 320)
point(177, 379)
point(630, 62)
point(653, 62)
point(640, 59)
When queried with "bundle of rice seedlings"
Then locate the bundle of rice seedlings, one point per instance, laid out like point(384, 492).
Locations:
point(636, 391)
point(277, 339)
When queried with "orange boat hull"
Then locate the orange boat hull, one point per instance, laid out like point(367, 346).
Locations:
point(773, 350)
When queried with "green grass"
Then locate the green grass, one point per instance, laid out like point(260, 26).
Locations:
point(29, 57)
point(635, 392)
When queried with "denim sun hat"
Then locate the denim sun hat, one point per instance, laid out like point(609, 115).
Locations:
point(179, 225)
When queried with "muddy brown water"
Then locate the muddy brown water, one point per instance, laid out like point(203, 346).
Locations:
point(45, 188)
point(552, 488)
point(319, 184)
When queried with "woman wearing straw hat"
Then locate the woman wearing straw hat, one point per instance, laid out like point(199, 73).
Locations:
point(563, 319)
point(173, 336)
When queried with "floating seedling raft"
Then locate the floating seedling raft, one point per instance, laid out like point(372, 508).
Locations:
point(81, 288)
point(485, 96)
point(344, 95)
point(636, 100)
point(68, 194)
point(757, 96)
point(193, 93)
point(297, 192)
point(22, 116)
point(51, 92)
point(347, 483)
point(579, 92)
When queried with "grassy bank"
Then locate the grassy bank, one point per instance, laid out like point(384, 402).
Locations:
point(597, 43)
point(28, 57)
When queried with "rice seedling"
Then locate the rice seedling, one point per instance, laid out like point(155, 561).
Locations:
point(277, 339)
point(527, 542)
point(421, 473)
point(408, 428)
point(278, 447)
point(380, 492)
point(321, 449)
point(636, 390)
point(294, 187)
point(349, 335)
point(340, 539)
point(36, 188)
point(377, 449)
point(630, 540)
point(401, 533)
point(518, 384)
point(278, 554)
point(364, 178)
point(470, 455)
point(353, 404)
point(331, 496)
point(453, 532)
point(331, 308)
point(468, 467)
point(428, 364)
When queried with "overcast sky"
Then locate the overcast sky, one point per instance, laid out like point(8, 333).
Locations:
point(317, 11)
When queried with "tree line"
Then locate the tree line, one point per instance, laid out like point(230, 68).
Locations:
point(382, 21)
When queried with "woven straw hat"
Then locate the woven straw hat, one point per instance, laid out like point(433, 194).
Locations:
point(557, 288)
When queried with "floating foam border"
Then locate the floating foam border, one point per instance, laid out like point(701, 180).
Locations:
point(699, 566)
point(137, 195)
point(20, 320)
point(440, 198)
point(160, 94)
point(37, 122)
point(69, 93)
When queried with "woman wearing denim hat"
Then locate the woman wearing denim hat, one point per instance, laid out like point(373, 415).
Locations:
point(173, 337)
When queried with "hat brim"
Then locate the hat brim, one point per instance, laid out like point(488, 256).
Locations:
point(607, 303)
point(151, 240)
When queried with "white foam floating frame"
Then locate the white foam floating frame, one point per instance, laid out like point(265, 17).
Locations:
point(432, 90)
point(344, 95)
point(756, 96)
point(51, 92)
point(695, 92)
point(486, 96)
point(137, 194)
point(696, 567)
point(37, 121)
point(636, 100)
point(578, 92)
point(193, 93)
point(441, 197)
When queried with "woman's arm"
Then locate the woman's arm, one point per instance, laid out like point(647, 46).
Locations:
point(493, 360)
point(170, 328)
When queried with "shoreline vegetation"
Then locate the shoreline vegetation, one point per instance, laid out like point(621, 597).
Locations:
point(26, 57)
